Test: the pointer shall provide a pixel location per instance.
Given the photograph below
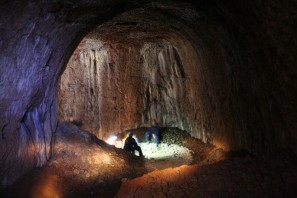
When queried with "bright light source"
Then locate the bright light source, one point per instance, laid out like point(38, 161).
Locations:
point(115, 141)
point(172, 153)
point(111, 140)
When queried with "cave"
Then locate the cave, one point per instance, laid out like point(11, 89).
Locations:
point(218, 76)
point(129, 71)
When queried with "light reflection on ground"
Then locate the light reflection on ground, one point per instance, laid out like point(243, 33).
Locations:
point(165, 152)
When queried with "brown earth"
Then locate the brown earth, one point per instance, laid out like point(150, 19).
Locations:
point(84, 166)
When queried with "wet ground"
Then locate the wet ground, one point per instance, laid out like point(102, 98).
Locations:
point(84, 166)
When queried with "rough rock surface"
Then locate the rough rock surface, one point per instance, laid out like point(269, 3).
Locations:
point(243, 55)
point(36, 41)
point(84, 166)
point(246, 177)
point(111, 88)
point(196, 69)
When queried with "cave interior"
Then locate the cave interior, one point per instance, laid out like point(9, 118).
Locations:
point(218, 76)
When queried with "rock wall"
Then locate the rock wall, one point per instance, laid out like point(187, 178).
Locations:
point(95, 87)
point(243, 55)
point(115, 87)
point(214, 76)
point(37, 39)
point(260, 82)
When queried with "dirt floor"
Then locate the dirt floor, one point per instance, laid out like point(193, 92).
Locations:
point(84, 166)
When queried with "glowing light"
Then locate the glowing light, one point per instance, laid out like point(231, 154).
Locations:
point(167, 152)
point(111, 140)
point(115, 140)
point(172, 153)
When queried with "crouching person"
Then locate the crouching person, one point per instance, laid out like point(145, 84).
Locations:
point(131, 145)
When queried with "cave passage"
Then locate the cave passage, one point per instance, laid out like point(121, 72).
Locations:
point(218, 75)
point(127, 72)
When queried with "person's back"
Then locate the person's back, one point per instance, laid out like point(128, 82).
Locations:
point(131, 145)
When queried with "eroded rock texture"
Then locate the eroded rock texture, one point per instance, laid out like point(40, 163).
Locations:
point(223, 70)
point(36, 42)
point(190, 68)
point(114, 87)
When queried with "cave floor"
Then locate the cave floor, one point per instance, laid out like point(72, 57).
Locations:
point(239, 177)
point(84, 166)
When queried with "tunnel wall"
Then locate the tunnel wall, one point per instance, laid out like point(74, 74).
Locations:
point(99, 89)
point(30, 62)
point(115, 87)
point(261, 80)
point(227, 94)
point(37, 39)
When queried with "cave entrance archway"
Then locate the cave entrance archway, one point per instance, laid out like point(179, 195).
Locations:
point(128, 71)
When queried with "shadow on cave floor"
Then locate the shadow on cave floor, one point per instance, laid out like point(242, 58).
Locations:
point(84, 166)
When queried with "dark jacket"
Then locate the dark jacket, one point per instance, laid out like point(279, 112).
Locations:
point(130, 144)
